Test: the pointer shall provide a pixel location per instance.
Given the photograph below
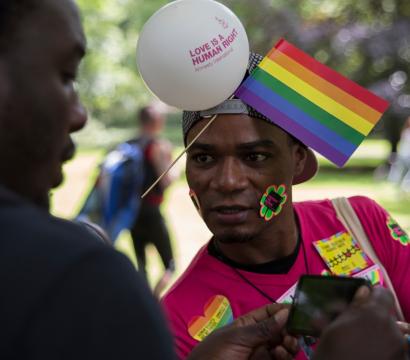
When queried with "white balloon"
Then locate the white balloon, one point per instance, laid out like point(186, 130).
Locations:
point(193, 54)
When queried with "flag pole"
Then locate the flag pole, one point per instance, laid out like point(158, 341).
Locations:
point(179, 156)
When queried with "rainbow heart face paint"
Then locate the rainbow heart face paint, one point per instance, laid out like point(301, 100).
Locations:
point(272, 201)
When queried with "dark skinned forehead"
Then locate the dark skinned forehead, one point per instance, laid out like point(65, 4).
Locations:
point(52, 25)
point(67, 12)
point(245, 146)
point(241, 131)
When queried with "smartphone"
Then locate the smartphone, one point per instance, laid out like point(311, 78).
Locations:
point(318, 301)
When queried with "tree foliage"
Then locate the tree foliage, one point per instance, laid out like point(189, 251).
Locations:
point(110, 85)
point(366, 40)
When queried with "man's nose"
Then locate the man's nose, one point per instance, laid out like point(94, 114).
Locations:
point(78, 115)
point(229, 176)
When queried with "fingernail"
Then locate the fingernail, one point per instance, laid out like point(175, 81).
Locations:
point(282, 316)
point(363, 291)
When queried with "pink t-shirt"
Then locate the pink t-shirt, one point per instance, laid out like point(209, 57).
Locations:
point(212, 290)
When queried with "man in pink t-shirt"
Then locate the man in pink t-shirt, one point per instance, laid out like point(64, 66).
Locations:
point(241, 171)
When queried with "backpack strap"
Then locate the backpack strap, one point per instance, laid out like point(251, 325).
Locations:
point(348, 217)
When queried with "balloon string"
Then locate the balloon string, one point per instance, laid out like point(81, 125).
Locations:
point(180, 155)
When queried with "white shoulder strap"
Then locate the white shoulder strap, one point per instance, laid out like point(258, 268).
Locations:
point(351, 222)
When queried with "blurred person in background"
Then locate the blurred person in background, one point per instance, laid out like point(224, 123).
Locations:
point(115, 202)
point(400, 170)
point(149, 226)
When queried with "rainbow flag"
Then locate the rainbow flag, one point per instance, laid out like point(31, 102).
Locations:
point(323, 109)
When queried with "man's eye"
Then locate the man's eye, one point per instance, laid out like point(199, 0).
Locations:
point(256, 157)
point(203, 158)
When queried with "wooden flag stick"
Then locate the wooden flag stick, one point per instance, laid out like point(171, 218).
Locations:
point(180, 155)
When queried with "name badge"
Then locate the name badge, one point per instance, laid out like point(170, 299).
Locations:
point(342, 254)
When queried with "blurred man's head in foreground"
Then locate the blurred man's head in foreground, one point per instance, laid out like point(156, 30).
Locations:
point(41, 46)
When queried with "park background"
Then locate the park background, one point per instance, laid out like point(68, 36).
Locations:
point(366, 40)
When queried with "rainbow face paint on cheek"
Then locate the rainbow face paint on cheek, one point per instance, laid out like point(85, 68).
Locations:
point(272, 201)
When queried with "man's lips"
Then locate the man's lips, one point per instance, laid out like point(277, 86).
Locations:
point(231, 214)
point(68, 152)
point(230, 208)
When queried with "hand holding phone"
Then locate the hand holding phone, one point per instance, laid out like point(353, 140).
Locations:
point(318, 301)
point(367, 330)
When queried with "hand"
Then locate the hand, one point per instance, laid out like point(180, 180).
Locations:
point(366, 330)
point(404, 327)
point(256, 335)
point(405, 330)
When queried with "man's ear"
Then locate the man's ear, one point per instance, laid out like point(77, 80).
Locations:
point(300, 155)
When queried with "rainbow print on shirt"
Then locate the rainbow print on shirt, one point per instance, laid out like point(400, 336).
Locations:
point(217, 313)
point(373, 274)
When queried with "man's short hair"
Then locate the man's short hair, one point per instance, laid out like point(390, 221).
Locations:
point(12, 13)
point(145, 115)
